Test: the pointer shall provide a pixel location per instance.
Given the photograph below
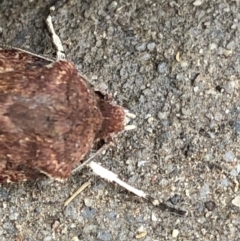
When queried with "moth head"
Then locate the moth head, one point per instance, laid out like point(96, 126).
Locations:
point(115, 118)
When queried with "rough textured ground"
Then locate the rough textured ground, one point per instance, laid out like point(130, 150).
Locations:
point(176, 65)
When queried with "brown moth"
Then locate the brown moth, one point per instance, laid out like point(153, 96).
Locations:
point(50, 117)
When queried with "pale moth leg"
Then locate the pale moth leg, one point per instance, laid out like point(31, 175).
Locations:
point(55, 38)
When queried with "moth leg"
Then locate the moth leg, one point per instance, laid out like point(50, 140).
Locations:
point(55, 38)
point(98, 153)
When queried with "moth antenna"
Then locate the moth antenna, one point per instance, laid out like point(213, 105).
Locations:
point(56, 40)
point(112, 177)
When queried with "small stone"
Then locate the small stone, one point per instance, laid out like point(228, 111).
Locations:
point(198, 3)
point(154, 167)
point(175, 233)
point(162, 115)
point(234, 172)
point(141, 163)
point(144, 56)
point(228, 156)
point(141, 47)
point(236, 201)
point(112, 216)
point(204, 190)
point(155, 202)
point(90, 229)
point(13, 216)
point(208, 214)
point(162, 67)
point(195, 89)
point(187, 192)
point(151, 46)
point(154, 217)
point(212, 46)
point(113, 5)
point(224, 182)
point(231, 45)
point(123, 73)
point(88, 202)
point(227, 52)
point(210, 205)
point(104, 235)
point(186, 111)
point(150, 120)
point(229, 87)
point(141, 235)
point(103, 87)
point(179, 77)
point(48, 238)
point(184, 64)
point(75, 238)
point(175, 199)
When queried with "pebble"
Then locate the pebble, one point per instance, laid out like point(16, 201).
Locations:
point(227, 52)
point(151, 46)
point(141, 47)
point(113, 5)
point(88, 212)
point(150, 120)
point(236, 201)
point(141, 235)
point(154, 217)
point(234, 172)
point(197, 3)
point(75, 238)
point(175, 233)
point(195, 89)
point(186, 112)
point(48, 238)
point(213, 46)
point(210, 205)
point(162, 67)
point(154, 167)
point(228, 156)
point(231, 45)
point(175, 199)
point(141, 163)
point(88, 202)
point(184, 64)
point(144, 56)
point(104, 236)
point(90, 228)
point(204, 190)
point(224, 182)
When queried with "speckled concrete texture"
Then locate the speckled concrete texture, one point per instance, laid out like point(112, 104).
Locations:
point(176, 65)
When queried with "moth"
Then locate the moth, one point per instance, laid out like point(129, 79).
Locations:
point(50, 116)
